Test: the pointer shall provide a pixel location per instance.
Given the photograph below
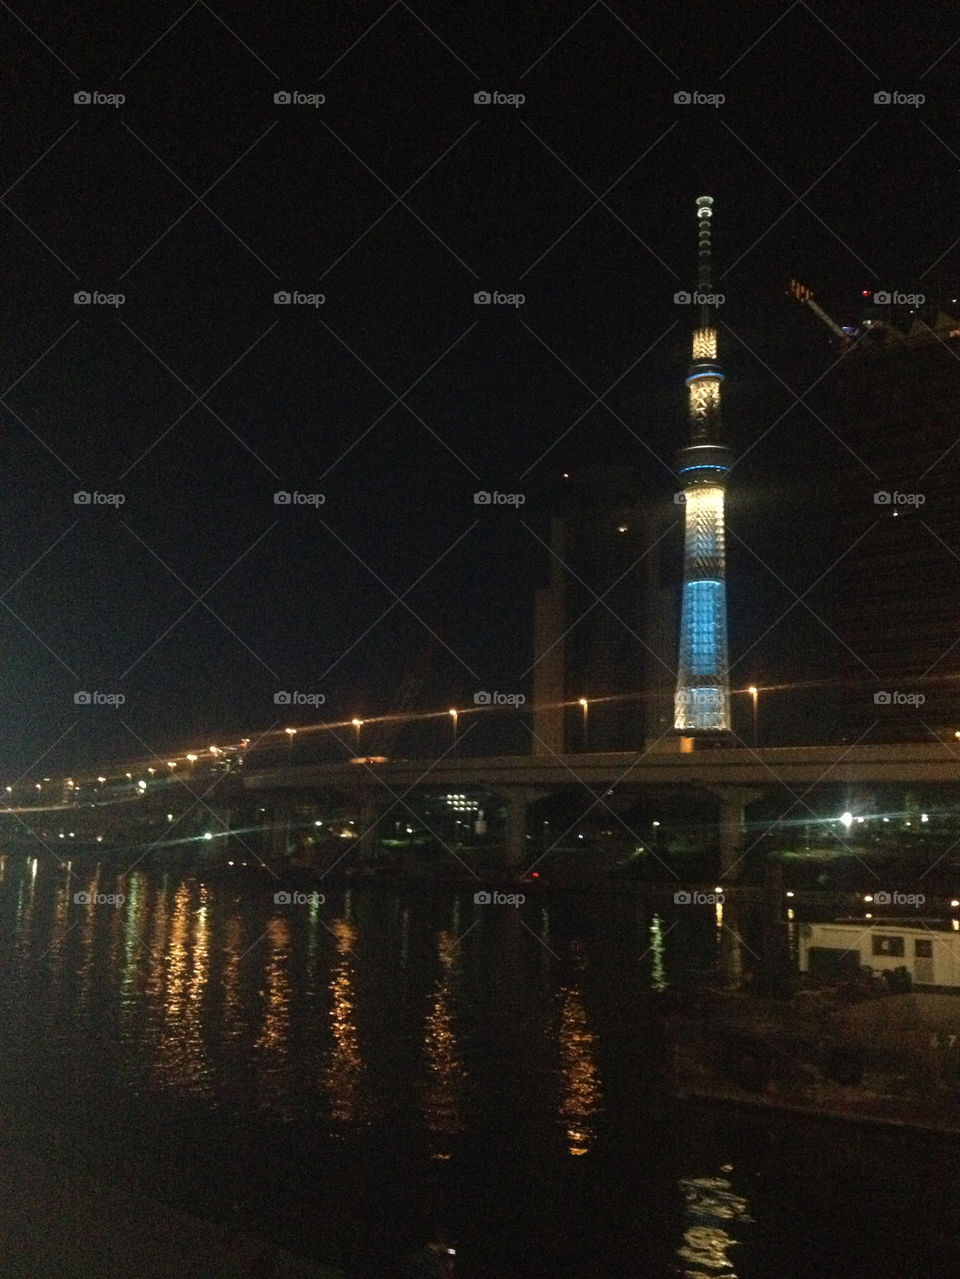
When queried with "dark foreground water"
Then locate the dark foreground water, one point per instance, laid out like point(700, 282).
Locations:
point(345, 1078)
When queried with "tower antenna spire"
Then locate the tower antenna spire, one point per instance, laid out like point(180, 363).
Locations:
point(702, 700)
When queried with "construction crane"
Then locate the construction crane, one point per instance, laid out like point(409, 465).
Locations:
point(805, 297)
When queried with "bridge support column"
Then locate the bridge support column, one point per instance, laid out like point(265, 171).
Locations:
point(278, 834)
point(516, 852)
point(367, 817)
point(733, 803)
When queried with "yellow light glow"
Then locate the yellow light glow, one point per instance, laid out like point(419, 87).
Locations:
point(704, 397)
point(704, 344)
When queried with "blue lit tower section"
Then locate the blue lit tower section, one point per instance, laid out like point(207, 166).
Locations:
point(702, 702)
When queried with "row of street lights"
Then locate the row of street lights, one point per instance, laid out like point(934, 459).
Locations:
point(582, 702)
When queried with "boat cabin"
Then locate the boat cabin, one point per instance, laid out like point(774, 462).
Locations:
point(930, 954)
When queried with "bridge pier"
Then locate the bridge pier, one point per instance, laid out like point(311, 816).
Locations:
point(517, 799)
point(733, 803)
point(279, 831)
point(369, 814)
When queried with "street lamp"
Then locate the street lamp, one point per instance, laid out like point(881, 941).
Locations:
point(754, 691)
point(357, 724)
point(291, 734)
point(586, 706)
point(453, 716)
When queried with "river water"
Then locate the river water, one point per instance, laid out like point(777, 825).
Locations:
point(347, 1077)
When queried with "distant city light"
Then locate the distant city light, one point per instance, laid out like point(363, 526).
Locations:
point(846, 819)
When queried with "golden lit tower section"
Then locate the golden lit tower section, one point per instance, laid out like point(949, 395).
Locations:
point(702, 702)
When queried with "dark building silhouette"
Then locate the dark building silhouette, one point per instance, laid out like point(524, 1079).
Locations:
point(606, 624)
point(896, 591)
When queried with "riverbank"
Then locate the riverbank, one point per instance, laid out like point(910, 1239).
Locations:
point(59, 1222)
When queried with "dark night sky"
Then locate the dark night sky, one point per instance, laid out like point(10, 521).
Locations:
point(493, 197)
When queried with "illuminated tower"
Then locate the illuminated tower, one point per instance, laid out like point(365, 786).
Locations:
point(702, 701)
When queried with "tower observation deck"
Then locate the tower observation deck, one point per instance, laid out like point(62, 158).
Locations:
point(702, 700)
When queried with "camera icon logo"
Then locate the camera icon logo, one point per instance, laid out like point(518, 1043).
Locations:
point(282, 899)
point(281, 498)
point(82, 298)
point(679, 498)
point(482, 898)
point(682, 97)
point(482, 498)
point(82, 699)
point(481, 98)
point(282, 298)
point(881, 699)
point(81, 498)
point(682, 298)
point(82, 98)
point(82, 899)
point(881, 498)
point(482, 298)
point(882, 298)
point(882, 898)
point(282, 98)
point(682, 898)
point(282, 699)
point(482, 699)
point(882, 97)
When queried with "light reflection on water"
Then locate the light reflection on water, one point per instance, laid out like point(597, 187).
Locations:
point(342, 1072)
point(408, 1021)
point(445, 1071)
point(712, 1207)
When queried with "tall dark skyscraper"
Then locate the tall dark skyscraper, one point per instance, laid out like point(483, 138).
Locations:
point(897, 587)
point(605, 624)
point(702, 703)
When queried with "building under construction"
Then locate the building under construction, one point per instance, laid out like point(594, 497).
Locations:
point(894, 402)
